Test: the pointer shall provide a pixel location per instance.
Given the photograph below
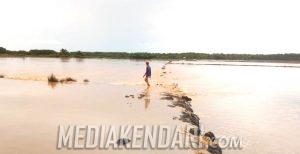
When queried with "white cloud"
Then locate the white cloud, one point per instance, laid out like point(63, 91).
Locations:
point(256, 26)
point(266, 26)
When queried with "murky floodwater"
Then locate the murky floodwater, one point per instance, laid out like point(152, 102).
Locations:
point(31, 110)
point(259, 103)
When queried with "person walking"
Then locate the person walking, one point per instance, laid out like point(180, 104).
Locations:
point(147, 74)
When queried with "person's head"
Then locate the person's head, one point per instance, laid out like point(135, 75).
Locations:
point(147, 63)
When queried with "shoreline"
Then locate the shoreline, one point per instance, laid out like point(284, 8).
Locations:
point(63, 53)
point(158, 59)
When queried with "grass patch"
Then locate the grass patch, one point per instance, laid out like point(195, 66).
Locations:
point(52, 78)
point(68, 79)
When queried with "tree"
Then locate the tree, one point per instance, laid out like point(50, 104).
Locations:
point(64, 52)
point(2, 50)
point(41, 52)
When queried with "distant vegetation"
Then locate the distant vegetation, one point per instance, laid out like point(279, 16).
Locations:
point(145, 55)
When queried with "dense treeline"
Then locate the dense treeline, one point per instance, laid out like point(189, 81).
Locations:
point(145, 55)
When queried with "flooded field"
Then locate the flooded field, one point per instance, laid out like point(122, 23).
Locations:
point(259, 103)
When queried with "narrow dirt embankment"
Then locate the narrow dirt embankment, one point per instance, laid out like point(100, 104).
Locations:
point(178, 99)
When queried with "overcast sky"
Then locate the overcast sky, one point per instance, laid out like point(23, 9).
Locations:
point(229, 26)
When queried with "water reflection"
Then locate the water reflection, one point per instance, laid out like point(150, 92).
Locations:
point(52, 84)
point(65, 59)
point(79, 59)
point(147, 97)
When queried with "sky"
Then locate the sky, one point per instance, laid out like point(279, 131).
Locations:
point(210, 26)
